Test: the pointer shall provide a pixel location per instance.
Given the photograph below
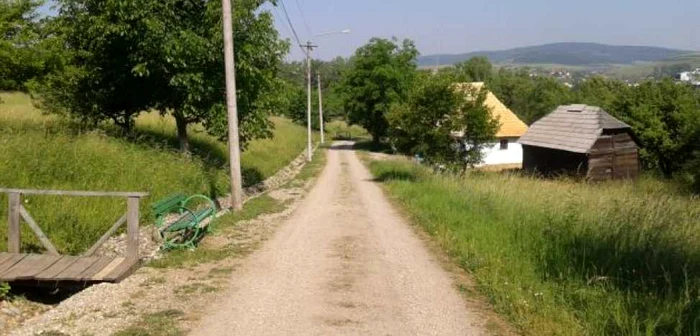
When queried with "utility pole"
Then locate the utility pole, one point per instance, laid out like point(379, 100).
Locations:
point(309, 47)
point(320, 108)
point(232, 108)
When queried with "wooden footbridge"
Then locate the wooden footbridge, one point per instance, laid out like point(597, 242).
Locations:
point(55, 270)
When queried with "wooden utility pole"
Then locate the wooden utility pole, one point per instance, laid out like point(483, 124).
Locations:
point(320, 107)
point(233, 135)
point(309, 47)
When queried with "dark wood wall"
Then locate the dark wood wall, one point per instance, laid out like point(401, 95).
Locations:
point(614, 156)
point(550, 162)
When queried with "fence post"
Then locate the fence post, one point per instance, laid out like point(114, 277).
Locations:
point(13, 232)
point(132, 228)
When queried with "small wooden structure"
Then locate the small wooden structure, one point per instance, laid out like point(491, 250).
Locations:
point(581, 140)
point(55, 270)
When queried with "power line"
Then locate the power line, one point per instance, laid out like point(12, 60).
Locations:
point(294, 32)
point(303, 18)
point(279, 17)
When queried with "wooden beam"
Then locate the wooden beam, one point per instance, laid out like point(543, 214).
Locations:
point(74, 193)
point(105, 236)
point(37, 231)
point(13, 232)
point(132, 229)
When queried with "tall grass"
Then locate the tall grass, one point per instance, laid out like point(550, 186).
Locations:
point(339, 129)
point(46, 152)
point(563, 258)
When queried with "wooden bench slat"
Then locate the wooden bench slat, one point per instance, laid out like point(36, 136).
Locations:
point(28, 267)
point(122, 271)
point(73, 271)
point(5, 256)
point(55, 269)
point(15, 258)
point(95, 268)
point(107, 269)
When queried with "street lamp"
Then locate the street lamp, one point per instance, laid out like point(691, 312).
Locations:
point(344, 31)
point(309, 46)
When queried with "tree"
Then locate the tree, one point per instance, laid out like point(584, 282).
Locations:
point(380, 74)
point(25, 53)
point(444, 124)
point(128, 56)
point(665, 117)
point(530, 97)
point(476, 69)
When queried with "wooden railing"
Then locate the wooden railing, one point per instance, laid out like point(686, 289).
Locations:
point(16, 211)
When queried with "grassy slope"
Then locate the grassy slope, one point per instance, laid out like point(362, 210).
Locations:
point(565, 258)
point(43, 152)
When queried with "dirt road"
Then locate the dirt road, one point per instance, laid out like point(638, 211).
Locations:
point(344, 263)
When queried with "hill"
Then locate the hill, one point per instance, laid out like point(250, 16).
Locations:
point(47, 152)
point(574, 54)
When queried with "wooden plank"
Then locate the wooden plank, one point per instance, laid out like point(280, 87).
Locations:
point(13, 230)
point(74, 270)
point(96, 268)
point(122, 271)
point(5, 256)
point(28, 267)
point(99, 276)
point(15, 258)
point(37, 231)
point(55, 269)
point(132, 228)
point(105, 236)
point(73, 193)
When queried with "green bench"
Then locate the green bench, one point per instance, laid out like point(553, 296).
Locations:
point(189, 226)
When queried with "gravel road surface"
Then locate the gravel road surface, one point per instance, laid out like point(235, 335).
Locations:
point(345, 263)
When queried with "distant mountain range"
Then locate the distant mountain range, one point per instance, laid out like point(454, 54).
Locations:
point(576, 54)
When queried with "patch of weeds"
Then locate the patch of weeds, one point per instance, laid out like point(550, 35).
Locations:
point(153, 281)
point(162, 323)
point(51, 333)
point(220, 272)
point(189, 289)
point(111, 314)
point(311, 169)
point(138, 294)
point(128, 304)
point(4, 290)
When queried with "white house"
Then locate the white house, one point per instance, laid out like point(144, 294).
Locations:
point(506, 151)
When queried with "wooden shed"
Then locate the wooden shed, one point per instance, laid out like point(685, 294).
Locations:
point(581, 140)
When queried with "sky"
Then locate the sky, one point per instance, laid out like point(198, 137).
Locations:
point(460, 26)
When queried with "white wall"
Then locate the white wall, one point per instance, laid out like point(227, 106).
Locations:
point(494, 155)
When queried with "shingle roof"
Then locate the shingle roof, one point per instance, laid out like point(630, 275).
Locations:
point(573, 128)
point(511, 125)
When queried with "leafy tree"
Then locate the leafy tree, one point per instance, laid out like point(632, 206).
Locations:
point(665, 118)
point(530, 97)
point(476, 69)
point(380, 74)
point(25, 51)
point(443, 124)
point(599, 91)
point(128, 56)
point(293, 75)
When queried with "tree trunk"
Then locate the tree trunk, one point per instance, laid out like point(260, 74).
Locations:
point(182, 134)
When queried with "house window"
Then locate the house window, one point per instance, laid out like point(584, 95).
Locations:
point(504, 144)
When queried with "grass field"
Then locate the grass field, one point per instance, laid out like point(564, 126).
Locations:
point(563, 258)
point(339, 129)
point(45, 152)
